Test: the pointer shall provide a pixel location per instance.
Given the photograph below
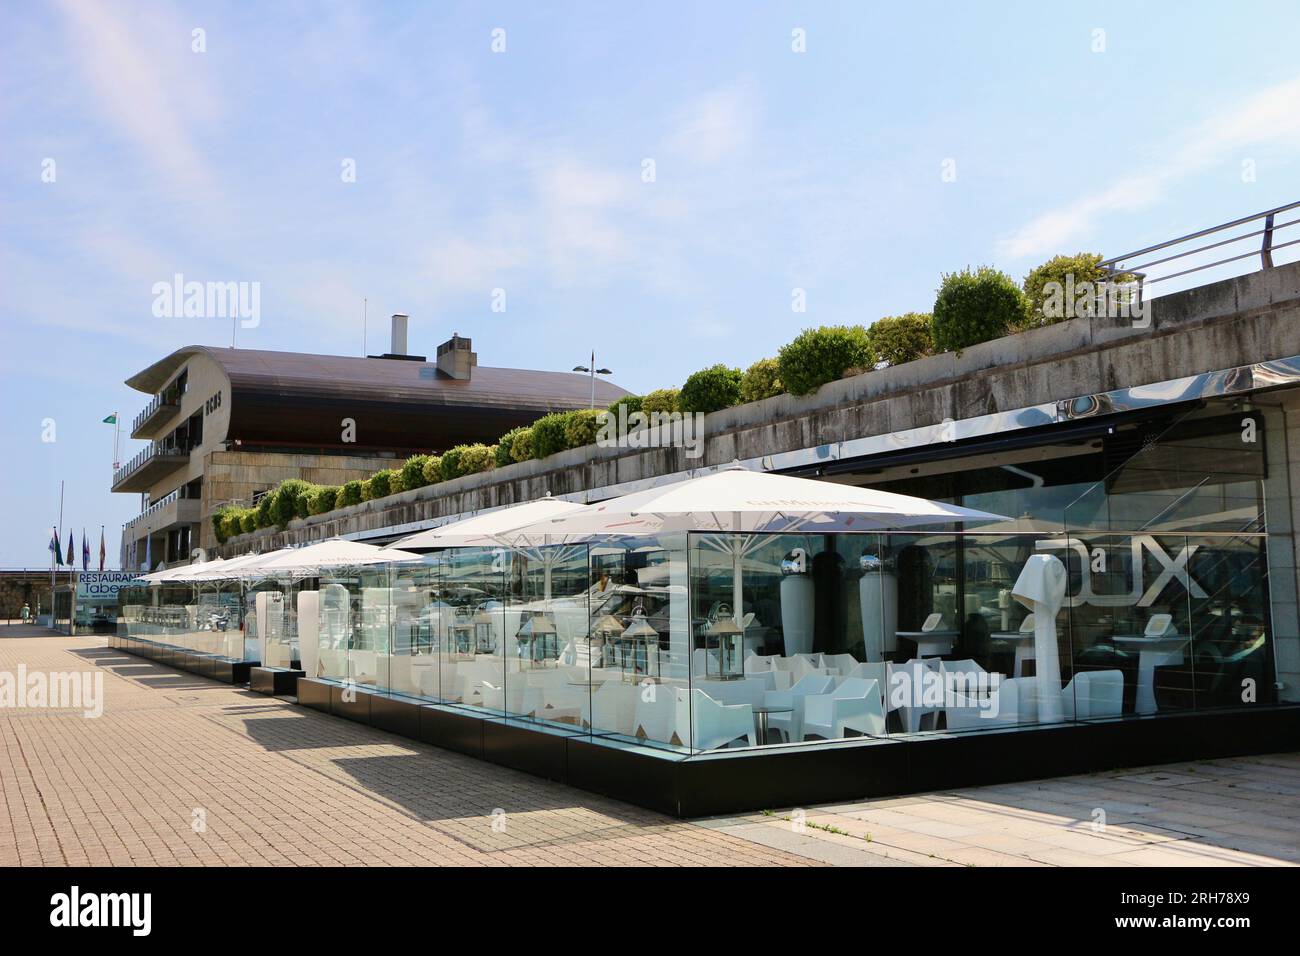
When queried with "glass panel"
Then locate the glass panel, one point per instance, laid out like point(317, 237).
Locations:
point(639, 638)
point(475, 591)
point(1230, 661)
point(548, 652)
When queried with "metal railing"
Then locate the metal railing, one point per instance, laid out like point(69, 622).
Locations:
point(1268, 223)
point(153, 450)
point(168, 398)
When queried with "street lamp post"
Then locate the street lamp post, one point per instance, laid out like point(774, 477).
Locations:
point(593, 371)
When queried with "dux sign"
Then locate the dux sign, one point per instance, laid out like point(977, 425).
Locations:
point(1171, 569)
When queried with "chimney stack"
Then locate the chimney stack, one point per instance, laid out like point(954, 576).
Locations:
point(397, 345)
point(456, 357)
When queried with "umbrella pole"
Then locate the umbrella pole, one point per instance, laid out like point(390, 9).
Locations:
point(737, 585)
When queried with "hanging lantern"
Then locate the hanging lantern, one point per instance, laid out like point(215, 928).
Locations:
point(637, 640)
point(606, 631)
point(723, 630)
point(461, 632)
point(540, 638)
point(484, 640)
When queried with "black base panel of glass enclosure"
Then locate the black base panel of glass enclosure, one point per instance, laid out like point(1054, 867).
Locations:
point(351, 703)
point(741, 781)
point(541, 753)
point(276, 681)
point(397, 715)
point(444, 727)
point(314, 694)
point(205, 665)
point(731, 783)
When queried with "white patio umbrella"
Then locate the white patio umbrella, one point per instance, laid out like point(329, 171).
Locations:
point(185, 572)
point(336, 552)
point(231, 567)
point(741, 511)
point(487, 529)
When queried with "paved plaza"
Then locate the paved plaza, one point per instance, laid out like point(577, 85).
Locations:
point(181, 770)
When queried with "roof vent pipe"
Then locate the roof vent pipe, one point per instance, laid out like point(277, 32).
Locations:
point(398, 344)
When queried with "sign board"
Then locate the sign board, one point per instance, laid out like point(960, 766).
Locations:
point(103, 585)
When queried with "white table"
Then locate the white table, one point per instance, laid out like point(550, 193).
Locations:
point(934, 643)
point(1024, 646)
point(1153, 652)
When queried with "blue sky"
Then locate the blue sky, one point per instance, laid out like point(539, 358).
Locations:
point(522, 171)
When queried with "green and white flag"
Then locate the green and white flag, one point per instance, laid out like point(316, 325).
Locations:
point(111, 419)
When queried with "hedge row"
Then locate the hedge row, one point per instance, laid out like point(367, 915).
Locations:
point(970, 307)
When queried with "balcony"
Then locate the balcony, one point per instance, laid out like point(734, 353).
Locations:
point(144, 470)
point(156, 414)
point(163, 515)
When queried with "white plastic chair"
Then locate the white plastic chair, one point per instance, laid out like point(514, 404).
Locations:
point(790, 723)
point(715, 724)
point(910, 679)
point(839, 664)
point(854, 705)
point(962, 678)
point(1094, 694)
point(749, 690)
point(657, 718)
point(611, 708)
point(1014, 702)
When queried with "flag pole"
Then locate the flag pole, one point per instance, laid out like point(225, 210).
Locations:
point(53, 577)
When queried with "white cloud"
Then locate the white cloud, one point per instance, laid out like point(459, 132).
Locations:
point(149, 92)
point(716, 126)
point(1268, 117)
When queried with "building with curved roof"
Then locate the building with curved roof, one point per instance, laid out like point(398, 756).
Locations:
point(225, 425)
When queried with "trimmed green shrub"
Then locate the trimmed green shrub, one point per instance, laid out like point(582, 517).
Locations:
point(974, 307)
point(467, 460)
point(901, 338)
point(219, 524)
point(761, 380)
point(548, 434)
point(322, 499)
point(504, 444)
point(476, 458)
point(232, 523)
point(433, 470)
point(818, 356)
point(450, 467)
point(413, 472)
point(368, 488)
point(284, 501)
point(248, 521)
point(302, 507)
point(380, 484)
point(263, 514)
point(581, 427)
point(632, 402)
point(1068, 297)
point(711, 389)
point(661, 400)
point(349, 494)
point(521, 445)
